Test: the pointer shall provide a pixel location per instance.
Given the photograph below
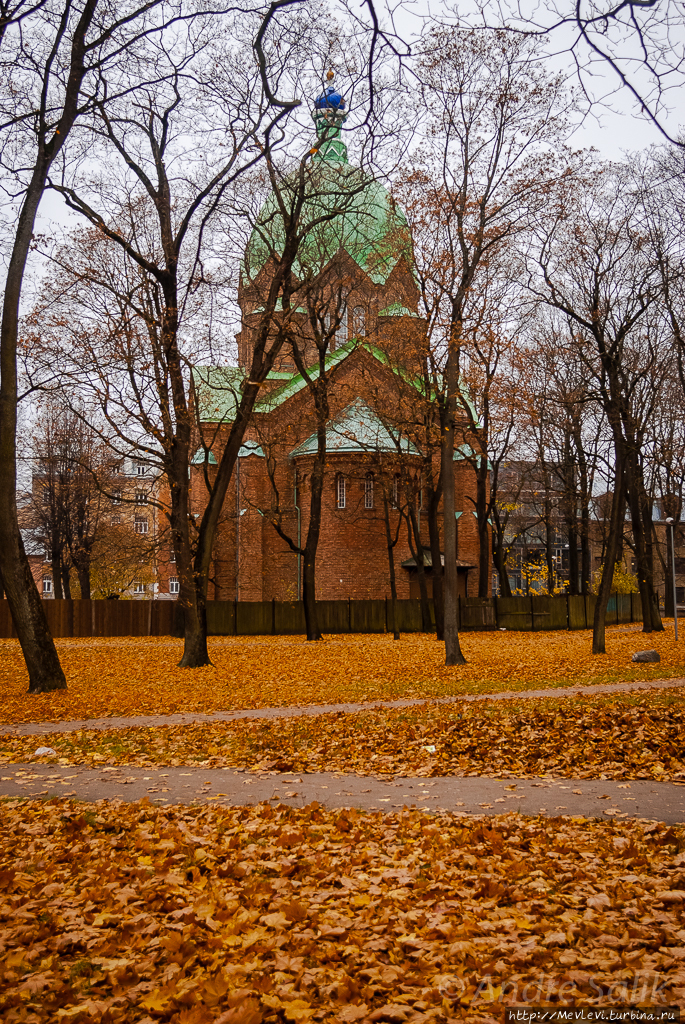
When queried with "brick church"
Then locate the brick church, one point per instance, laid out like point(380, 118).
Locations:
point(361, 307)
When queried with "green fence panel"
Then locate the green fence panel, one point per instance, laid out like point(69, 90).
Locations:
point(514, 613)
point(576, 612)
point(334, 616)
point(409, 616)
point(558, 612)
point(541, 611)
point(367, 616)
point(289, 618)
point(220, 618)
point(253, 618)
point(623, 607)
point(611, 617)
point(477, 613)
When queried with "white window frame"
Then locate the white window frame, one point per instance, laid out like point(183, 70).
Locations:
point(141, 497)
point(141, 469)
point(138, 588)
point(116, 496)
point(368, 491)
point(172, 555)
point(47, 584)
point(140, 525)
point(340, 491)
point(174, 585)
point(116, 520)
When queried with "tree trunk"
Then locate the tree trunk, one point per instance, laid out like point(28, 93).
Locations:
point(83, 574)
point(644, 576)
point(192, 596)
point(484, 542)
point(436, 559)
point(453, 653)
point(572, 534)
point(28, 614)
point(668, 575)
point(391, 566)
point(613, 546)
point(549, 545)
point(57, 571)
point(501, 566)
point(416, 549)
point(66, 581)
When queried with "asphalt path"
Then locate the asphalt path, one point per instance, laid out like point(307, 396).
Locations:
point(589, 798)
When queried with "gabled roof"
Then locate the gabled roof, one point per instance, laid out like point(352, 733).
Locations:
point(357, 430)
point(218, 387)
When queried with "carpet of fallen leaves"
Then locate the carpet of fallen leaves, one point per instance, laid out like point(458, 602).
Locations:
point(618, 736)
point(138, 676)
point(133, 913)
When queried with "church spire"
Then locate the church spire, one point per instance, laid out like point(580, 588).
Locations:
point(329, 115)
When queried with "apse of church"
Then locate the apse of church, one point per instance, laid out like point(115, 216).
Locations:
point(352, 330)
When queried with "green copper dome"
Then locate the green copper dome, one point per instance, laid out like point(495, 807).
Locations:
point(344, 210)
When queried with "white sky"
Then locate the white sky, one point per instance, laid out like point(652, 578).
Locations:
point(614, 127)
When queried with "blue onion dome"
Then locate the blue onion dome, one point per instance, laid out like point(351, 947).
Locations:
point(370, 227)
point(330, 98)
point(329, 110)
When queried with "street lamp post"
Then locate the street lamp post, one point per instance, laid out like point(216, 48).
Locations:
point(671, 526)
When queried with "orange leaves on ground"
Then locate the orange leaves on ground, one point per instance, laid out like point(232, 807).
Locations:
point(127, 913)
point(623, 736)
point(138, 676)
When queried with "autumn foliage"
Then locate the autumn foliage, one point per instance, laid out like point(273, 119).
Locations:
point(138, 675)
point(247, 915)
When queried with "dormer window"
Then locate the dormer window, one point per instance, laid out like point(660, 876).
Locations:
point(141, 469)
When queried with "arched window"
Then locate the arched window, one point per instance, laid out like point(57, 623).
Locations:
point(396, 491)
point(358, 322)
point(368, 491)
point(341, 333)
point(340, 491)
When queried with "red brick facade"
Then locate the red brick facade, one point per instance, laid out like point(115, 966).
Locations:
point(352, 557)
point(369, 362)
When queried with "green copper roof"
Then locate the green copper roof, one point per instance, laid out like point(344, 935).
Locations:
point(396, 309)
point(217, 389)
point(364, 221)
point(201, 456)
point(250, 448)
point(357, 430)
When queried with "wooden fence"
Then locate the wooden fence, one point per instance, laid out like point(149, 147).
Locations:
point(281, 618)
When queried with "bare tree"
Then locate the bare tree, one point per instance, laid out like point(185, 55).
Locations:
point(494, 120)
point(640, 43)
point(593, 265)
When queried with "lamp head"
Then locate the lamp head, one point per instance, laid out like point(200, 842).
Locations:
point(670, 521)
